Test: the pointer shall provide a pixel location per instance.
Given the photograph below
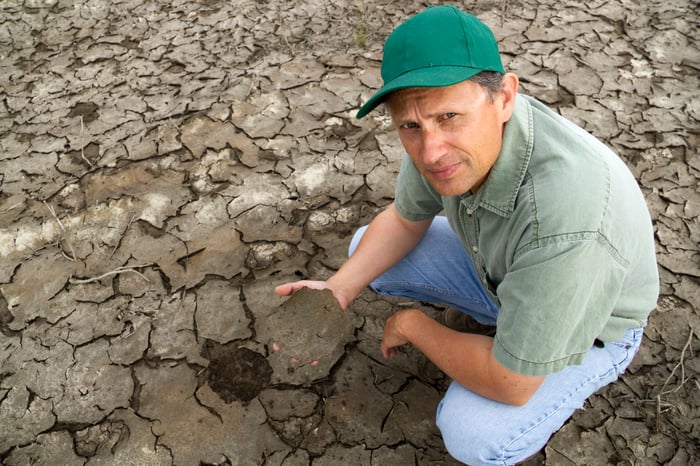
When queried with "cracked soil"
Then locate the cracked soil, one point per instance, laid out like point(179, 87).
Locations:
point(163, 165)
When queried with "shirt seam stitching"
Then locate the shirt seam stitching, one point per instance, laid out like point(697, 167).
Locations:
point(561, 238)
point(547, 363)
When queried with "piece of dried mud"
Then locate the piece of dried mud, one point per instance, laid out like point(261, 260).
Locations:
point(306, 335)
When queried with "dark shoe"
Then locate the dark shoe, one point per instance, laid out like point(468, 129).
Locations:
point(461, 322)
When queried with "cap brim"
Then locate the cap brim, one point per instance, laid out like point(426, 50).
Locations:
point(434, 76)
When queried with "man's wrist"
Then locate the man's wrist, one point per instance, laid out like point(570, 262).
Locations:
point(410, 321)
point(342, 293)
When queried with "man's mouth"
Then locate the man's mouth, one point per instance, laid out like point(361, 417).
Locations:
point(443, 173)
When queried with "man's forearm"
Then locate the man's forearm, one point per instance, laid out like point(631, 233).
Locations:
point(466, 358)
point(387, 240)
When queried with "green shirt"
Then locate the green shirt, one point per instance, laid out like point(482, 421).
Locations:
point(559, 234)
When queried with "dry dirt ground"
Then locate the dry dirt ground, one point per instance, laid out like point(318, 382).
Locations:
point(163, 165)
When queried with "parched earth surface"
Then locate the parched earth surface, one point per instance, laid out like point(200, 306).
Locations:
point(163, 165)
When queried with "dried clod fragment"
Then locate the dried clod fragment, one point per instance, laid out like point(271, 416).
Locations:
point(307, 335)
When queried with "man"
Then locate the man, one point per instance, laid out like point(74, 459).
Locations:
point(545, 235)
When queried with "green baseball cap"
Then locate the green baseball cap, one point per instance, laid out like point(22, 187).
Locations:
point(438, 47)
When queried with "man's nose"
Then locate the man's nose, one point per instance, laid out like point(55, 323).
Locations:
point(432, 147)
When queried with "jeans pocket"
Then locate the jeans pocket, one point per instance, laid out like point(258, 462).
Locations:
point(623, 351)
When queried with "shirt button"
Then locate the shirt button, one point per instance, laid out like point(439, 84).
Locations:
point(470, 211)
point(475, 249)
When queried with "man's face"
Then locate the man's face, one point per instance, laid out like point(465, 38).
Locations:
point(453, 134)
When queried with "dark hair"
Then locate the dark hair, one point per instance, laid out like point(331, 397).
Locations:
point(490, 81)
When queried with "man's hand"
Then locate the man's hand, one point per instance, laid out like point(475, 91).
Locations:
point(288, 289)
point(393, 337)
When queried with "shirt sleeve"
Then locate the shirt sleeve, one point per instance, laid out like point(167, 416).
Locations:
point(414, 199)
point(555, 301)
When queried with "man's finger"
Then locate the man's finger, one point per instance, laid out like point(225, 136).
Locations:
point(285, 289)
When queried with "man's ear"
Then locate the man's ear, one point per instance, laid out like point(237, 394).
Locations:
point(509, 91)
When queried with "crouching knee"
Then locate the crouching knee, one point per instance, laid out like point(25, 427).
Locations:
point(476, 432)
point(463, 443)
point(356, 240)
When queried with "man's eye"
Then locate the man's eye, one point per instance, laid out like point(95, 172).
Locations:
point(410, 125)
point(449, 115)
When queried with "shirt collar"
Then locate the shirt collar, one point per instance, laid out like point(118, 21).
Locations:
point(499, 191)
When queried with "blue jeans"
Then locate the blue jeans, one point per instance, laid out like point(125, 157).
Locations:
point(476, 430)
